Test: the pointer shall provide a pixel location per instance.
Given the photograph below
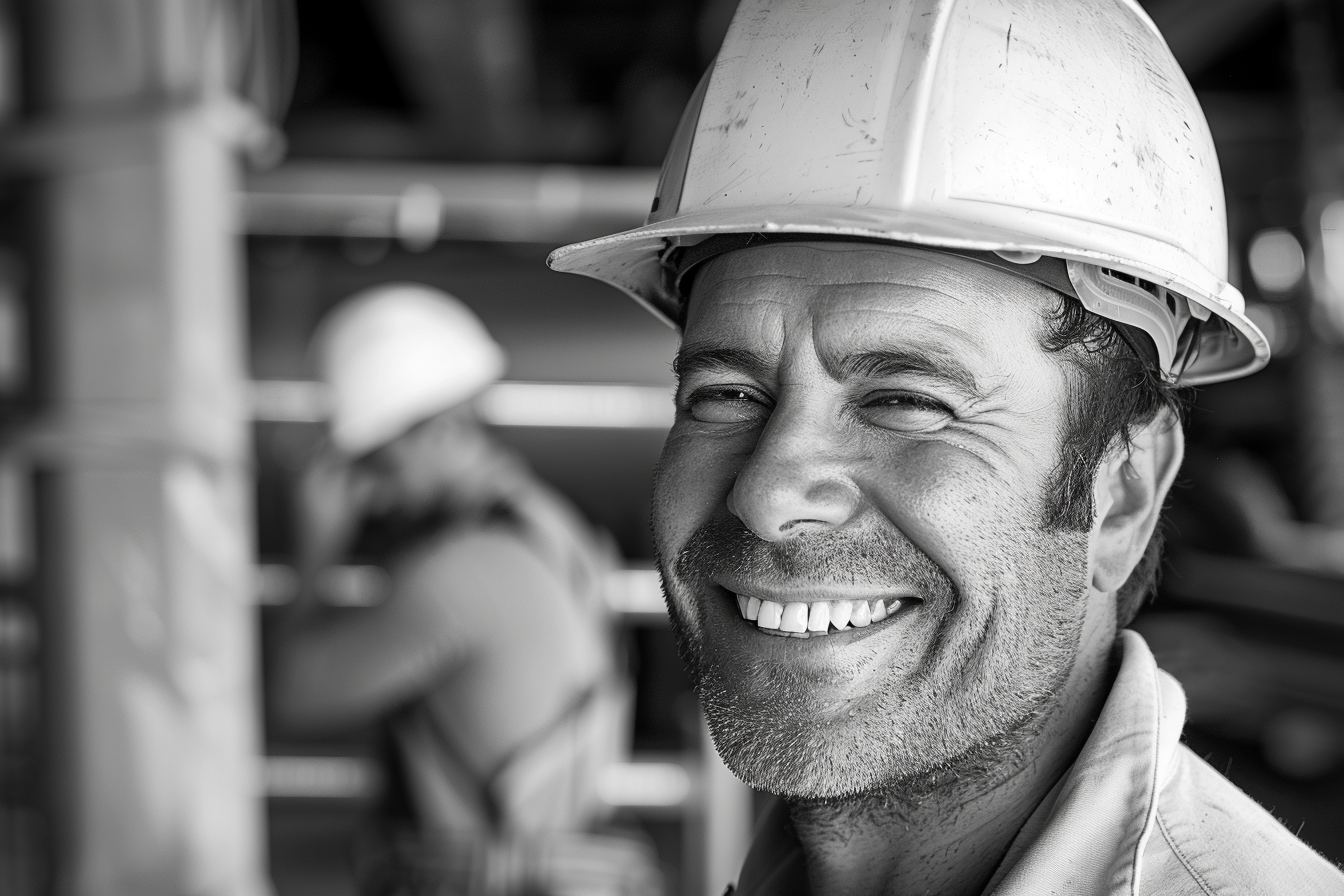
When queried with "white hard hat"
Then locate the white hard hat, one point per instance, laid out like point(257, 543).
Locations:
point(397, 354)
point(1056, 139)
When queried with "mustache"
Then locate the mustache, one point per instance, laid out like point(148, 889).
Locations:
point(822, 556)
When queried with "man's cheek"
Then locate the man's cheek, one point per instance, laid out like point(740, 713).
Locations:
point(949, 510)
point(690, 485)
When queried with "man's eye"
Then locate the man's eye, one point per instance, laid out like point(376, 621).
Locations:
point(906, 412)
point(727, 404)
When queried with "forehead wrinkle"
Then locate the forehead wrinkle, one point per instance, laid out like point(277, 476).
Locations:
point(937, 320)
point(724, 289)
point(911, 267)
point(907, 294)
point(917, 292)
point(919, 342)
point(714, 299)
point(885, 263)
point(756, 275)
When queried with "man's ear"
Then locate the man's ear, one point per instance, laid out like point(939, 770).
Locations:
point(1130, 489)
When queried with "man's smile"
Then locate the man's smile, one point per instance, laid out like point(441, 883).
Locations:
point(815, 610)
point(815, 617)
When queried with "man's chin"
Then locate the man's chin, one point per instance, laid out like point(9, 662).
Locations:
point(926, 699)
point(869, 756)
point(810, 737)
point(804, 730)
point(797, 754)
point(813, 773)
point(817, 777)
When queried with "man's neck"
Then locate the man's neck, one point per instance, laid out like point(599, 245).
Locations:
point(951, 840)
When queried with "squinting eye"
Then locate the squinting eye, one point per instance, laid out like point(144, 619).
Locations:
point(726, 404)
point(906, 412)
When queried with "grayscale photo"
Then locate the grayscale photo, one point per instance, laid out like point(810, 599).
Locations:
point(671, 447)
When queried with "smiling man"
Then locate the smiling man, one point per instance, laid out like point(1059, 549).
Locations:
point(864, 439)
point(942, 271)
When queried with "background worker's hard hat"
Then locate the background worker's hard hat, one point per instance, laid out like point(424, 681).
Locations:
point(1014, 129)
point(397, 354)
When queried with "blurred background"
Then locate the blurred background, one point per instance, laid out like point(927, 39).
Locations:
point(189, 186)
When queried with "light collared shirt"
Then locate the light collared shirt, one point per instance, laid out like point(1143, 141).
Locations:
point(1138, 814)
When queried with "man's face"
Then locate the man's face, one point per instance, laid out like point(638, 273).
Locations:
point(871, 425)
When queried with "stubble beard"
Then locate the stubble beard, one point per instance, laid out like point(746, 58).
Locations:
point(987, 682)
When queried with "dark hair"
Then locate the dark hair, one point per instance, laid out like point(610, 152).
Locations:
point(1113, 391)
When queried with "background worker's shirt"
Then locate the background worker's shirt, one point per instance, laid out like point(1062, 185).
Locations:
point(497, 647)
point(1137, 814)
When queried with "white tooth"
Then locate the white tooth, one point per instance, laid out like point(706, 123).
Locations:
point(753, 608)
point(742, 605)
point(860, 616)
point(818, 616)
point(794, 618)
point(769, 615)
point(879, 610)
point(840, 613)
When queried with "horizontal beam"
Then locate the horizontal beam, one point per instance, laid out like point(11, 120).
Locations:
point(552, 405)
point(635, 595)
point(419, 204)
point(671, 783)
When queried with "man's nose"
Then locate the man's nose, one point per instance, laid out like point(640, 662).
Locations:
point(795, 479)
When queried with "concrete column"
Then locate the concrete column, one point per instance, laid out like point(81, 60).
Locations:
point(133, 140)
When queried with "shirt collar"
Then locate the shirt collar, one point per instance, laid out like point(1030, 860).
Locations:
point(1087, 835)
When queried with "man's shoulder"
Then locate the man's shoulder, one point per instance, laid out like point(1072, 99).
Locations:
point(1211, 839)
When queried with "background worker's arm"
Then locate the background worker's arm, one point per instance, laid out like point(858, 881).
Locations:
point(448, 599)
point(332, 499)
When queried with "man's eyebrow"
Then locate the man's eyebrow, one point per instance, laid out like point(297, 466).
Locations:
point(880, 363)
point(711, 357)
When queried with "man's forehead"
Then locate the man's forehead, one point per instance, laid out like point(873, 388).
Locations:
point(861, 297)
point(837, 259)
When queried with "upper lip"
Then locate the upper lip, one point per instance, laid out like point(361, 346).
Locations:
point(811, 592)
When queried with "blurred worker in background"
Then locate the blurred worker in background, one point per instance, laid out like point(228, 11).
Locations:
point(491, 660)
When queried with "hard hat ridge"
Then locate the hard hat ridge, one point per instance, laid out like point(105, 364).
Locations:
point(1027, 128)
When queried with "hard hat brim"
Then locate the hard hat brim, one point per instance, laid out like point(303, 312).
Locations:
point(632, 261)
